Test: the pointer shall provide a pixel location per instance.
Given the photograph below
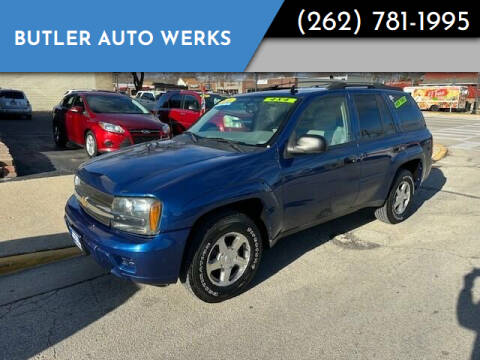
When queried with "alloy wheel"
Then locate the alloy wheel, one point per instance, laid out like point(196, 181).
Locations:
point(228, 258)
point(402, 197)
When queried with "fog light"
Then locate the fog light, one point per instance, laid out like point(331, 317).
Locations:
point(108, 143)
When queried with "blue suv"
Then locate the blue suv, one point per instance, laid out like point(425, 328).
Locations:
point(202, 206)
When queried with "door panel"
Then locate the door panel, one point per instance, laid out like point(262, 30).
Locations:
point(319, 186)
point(376, 146)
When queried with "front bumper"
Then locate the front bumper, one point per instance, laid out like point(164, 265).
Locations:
point(155, 260)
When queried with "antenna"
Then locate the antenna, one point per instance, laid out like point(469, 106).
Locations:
point(293, 90)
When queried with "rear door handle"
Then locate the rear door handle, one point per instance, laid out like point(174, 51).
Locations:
point(398, 148)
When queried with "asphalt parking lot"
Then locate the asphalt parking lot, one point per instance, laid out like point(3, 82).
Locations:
point(33, 150)
point(353, 288)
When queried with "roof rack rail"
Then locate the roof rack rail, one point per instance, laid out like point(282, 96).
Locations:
point(368, 85)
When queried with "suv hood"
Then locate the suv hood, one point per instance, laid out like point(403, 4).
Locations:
point(131, 121)
point(144, 168)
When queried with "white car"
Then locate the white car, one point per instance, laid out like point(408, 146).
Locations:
point(148, 95)
point(15, 102)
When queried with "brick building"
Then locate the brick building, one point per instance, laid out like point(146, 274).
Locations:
point(44, 90)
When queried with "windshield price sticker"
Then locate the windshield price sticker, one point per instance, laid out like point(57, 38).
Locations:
point(400, 102)
point(227, 101)
point(288, 100)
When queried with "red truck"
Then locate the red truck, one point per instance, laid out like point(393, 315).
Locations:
point(182, 108)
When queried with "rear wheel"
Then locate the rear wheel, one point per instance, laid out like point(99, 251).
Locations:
point(91, 144)
point(59, 135)
point(224, 257)
point(396, 208)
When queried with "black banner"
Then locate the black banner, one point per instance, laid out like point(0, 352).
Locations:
point(375, 19)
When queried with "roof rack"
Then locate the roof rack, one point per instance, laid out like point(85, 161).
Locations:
point(368, 85)
point(336, 84)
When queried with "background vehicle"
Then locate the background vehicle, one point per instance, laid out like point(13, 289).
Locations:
point(149, 95)
point(437, 98)
point(104, 122)
point(15, 102)
point(212, 198)
point(182, 108)
point(148, 98)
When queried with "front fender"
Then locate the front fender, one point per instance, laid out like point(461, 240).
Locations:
point(198, 207)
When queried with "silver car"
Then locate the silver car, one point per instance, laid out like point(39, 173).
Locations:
point(14, 102)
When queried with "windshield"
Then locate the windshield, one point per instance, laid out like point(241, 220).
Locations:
point(111, 104)
point(252, 120)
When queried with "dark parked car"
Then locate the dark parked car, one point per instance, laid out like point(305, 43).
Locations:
point(257, 167)
point(15, 102)
point(182, 108)
point(104, 121)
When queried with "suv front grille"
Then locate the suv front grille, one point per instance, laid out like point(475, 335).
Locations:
point(94, 202)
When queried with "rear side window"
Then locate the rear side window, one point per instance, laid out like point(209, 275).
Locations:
point(388, 124)
point(409, 115)
point(369, 116)
point(191, 103)
point(68, 101)
point(12, 95)
point(175, 101)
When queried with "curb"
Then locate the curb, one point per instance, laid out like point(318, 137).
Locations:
point(439, 152)
point(11, 264)
point(449, 115)
point(7, 167)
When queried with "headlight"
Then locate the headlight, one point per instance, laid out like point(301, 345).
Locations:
point(165, 129)
point(136, 215)
point(111, 127)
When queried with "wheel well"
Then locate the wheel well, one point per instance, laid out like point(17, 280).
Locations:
point(415, 167)
point(251, 207)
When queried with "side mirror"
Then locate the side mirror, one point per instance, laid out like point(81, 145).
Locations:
point(308, 144)
point(77, 109)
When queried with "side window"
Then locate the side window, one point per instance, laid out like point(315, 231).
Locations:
point(175, 101)
point(369, 116)
point(191, 103)
point(326, 116)
point(409, 115)
point(78, 101)
point(68, 101)
point(387, 117)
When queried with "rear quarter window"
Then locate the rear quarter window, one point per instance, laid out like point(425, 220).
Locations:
point(408, 113)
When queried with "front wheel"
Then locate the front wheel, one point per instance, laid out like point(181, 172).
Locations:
point(224, 257)
point(397, 206)
point(91, 144)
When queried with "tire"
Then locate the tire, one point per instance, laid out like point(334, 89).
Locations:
point(398, 204)
point(212, 256)
point(59, 135)
point(91, 150)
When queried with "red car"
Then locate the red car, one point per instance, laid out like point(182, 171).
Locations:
point(104, 121)
point(182, 108)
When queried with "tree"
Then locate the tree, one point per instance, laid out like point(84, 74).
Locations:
point(138, 81)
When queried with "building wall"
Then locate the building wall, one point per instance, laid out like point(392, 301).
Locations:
point(44, 90)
